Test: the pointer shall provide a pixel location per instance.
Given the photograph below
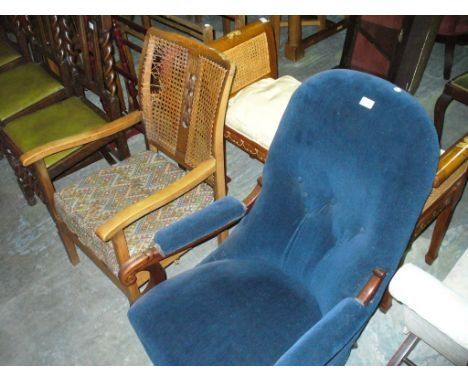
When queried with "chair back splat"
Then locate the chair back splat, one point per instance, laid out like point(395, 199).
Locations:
point(176, 102)
point(345, 181)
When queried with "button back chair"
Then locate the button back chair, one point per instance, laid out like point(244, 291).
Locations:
point(84, 47)
point(258, 96)
point(299, 277)
point(112, 214)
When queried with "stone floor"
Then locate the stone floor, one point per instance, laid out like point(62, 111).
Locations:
point(52, 313)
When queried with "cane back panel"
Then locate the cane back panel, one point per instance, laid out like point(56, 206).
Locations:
point(181, 85)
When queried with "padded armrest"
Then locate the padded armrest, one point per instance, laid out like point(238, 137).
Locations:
point(325, 339)
point(218, 216)
point(433, 301)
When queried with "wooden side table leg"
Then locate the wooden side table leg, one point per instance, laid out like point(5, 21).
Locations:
point(294, 49)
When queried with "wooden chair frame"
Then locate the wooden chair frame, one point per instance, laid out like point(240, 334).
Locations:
point(270, 66)
point(406, 64)
point(61, 54)
point(113, 229)
point(449, 183)
point(11, 25)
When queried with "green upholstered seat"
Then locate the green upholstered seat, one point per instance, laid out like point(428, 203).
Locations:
point(57, 121)
point(461, 81)
point(7, 53)
point(24, 86)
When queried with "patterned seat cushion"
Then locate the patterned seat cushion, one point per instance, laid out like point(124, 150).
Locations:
point(86, 204)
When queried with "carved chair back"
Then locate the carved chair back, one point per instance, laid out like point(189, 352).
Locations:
point(88, 47)
point(43, 35)
point(13, 34)
point(182, 87)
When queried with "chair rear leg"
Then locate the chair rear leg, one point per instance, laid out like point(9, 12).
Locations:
point(443, 222)
point(448, 58)
point(439, 112)
point(68, 243)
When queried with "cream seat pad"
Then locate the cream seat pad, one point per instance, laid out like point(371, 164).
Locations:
point(256, 110)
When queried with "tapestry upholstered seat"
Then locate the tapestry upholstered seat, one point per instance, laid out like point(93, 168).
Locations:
point(89, 202)
point(112, 215)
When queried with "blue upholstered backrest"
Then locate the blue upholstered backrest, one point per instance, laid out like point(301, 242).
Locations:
point(343, 186)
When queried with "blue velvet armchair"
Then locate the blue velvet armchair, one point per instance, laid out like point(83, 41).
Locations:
point(347, 175)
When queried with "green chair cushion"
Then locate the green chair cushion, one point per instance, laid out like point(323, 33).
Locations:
point(57, 121)
point(461, 81)
point(23, 86)
point(7, 53)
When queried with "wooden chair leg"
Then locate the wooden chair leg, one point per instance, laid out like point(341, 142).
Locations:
point(439, 112)
point(294, 50)
point(448, 58)
point(386, 302)
point(123, 151)
point(403, 351)
point(69, 245)
point(442, 224)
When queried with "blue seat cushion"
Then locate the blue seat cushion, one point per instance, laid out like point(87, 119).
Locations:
point(227, 312)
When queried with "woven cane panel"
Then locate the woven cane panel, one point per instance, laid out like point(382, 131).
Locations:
point(88, 203)
point(207, 96)
point(251, 59)
point(163, 91)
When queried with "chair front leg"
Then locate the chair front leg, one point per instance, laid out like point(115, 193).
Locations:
point(121, 251)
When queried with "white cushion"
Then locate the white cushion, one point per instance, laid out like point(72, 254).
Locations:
point(256, 110)
point(433, 301)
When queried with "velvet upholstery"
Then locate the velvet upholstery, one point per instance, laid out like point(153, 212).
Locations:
point(24, 86)
point(195, 226)
point(57, 121)
point(343, 186)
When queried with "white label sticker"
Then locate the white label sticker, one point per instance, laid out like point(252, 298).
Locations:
point(366, 102)
point(91, 25)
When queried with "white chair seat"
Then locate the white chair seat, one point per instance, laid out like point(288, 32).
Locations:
point(256, 110)
point(435, 311)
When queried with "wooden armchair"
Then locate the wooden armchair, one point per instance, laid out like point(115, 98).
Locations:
point(112, 214)
point(258, 96)
point(84, 47)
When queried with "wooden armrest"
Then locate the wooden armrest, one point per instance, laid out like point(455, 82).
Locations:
point(58, 145)
point(150, 259)
point(147, 261)
point(451, 160)
point(370, 289)
point(134, 212)
point(252, 197)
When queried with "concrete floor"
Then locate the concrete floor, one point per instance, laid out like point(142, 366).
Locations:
point(52, 313)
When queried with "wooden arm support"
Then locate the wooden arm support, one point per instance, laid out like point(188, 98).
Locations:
point(58, 145)
point(370, 289)
point(151, 258)
point(147, 261)
point(151, 203)
point(451, 160)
